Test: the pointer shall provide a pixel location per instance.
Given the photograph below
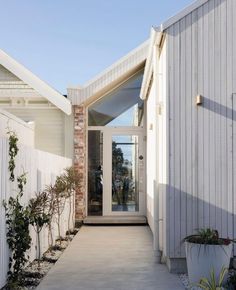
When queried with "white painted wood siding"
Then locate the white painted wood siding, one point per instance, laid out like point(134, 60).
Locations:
point(201, 56)
point(162, 149)
point(151, 155)
point(42, 169)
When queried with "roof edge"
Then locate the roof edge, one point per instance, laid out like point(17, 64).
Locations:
point(111, 67)
point(184, 12)
point(36, 83)
point(155, 38)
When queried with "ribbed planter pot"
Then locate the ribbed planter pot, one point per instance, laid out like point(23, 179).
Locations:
point(202, 259)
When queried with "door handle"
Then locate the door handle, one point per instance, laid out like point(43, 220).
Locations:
point(140, 157)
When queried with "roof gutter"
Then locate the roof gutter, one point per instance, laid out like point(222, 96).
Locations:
point(155, 39)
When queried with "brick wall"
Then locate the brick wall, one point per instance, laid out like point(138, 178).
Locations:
point(80, 158)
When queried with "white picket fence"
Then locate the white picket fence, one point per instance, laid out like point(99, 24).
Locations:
point(42, 169)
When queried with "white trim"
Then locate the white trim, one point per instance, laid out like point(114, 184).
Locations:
point(154, 40)
point(184, 12)
point(36, 83)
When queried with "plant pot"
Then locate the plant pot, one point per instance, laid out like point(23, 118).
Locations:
point(202, 259)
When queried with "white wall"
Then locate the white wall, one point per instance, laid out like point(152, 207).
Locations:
point(42, 169)
point(151, 154)
point(24, 130)
point(49, 127)
point(162, 149)
point(202, 156)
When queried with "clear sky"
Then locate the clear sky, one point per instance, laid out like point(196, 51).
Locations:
point(66, 42)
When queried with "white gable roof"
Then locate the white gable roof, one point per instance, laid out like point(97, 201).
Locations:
point(36, 83)
point(110, 75)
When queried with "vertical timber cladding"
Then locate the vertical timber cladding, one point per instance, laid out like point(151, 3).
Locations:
point(201, 60)
point(80, 158)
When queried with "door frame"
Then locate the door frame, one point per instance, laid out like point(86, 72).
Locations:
point(108, 132)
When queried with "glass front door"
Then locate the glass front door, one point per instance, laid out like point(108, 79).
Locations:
point(116, 173)
point(125, 173)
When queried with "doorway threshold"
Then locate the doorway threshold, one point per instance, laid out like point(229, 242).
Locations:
point(115, 220)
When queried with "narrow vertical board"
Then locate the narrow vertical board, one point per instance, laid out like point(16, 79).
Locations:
point(183, 137)
point(200, 119)
point(206, 136)
point(217, 116)
point(229, 88)
point(194, 136)
point(224, 192)
point(177, 134)
point(189, 102)
point(171, 191)
point(234, 112)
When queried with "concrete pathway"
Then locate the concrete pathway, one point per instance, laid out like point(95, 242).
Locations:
point(107, 258)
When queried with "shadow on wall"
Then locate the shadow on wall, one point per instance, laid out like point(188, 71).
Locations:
point(185, 213)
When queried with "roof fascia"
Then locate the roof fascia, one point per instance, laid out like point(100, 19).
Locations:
point(36, 83)
point(155, 39)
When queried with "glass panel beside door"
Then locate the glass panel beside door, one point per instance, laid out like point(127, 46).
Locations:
point(125, 191)
point(95, 173)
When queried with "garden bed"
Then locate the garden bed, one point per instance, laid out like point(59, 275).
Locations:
point(36, 270)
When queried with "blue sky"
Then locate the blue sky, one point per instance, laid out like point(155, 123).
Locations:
point(66, 42)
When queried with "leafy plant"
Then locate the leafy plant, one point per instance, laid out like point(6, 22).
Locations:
point(58, 196)
point(51, 212)
point(18, 237)
point(39, 216)
point(13, 150)
point(211, 283)
point(207, 237)
point(72, 181)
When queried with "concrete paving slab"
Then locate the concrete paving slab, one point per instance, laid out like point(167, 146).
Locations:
point(110, 258)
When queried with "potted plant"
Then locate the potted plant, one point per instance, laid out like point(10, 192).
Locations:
point(206, 252)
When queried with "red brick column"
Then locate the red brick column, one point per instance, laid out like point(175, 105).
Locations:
point(80, 159)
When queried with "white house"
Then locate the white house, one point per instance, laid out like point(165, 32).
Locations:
point(32, 100)
point(154, 134)
point(184, 151)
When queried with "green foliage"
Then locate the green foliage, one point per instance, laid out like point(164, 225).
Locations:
point(18, 237)
point(71, 181)
point(17, 221)
point(212, 284)
point(57, 200)
point(207, 237)
point(39, 215)
point(13, 150)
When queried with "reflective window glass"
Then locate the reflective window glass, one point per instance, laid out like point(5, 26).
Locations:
point(121, 107)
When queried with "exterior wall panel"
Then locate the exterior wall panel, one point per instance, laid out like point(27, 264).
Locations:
point(201, 60)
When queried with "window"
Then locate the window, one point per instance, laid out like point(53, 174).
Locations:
point(121, 107)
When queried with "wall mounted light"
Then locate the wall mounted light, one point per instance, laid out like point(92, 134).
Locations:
point(199, 100)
